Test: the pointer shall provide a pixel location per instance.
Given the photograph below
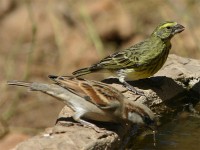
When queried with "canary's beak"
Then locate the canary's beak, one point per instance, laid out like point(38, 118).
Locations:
point(178, 28)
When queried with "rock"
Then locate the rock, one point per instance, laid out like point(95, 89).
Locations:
point(74, 138)
point(12, 139)
point(174, 85)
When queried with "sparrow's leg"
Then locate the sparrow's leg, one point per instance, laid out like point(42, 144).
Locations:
point(77, 117)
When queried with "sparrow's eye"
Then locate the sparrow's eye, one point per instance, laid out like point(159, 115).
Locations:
point(147, 120)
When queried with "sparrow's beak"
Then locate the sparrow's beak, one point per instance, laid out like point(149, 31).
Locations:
point(178, 28)
point(152, 127)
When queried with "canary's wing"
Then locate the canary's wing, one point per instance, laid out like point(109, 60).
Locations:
point(128, 58)
point(97, 93)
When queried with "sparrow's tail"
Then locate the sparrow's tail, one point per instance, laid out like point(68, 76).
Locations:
point(19, 83)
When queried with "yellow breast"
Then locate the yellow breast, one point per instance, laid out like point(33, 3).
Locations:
point(133, 75)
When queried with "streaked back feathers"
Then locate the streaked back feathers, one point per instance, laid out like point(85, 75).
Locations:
point(97, 92)
point(100, 102)
point(146, 57)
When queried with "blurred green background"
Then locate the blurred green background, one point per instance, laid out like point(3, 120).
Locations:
point(43, 37)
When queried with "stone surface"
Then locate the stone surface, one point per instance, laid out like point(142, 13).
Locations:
point(175, 84)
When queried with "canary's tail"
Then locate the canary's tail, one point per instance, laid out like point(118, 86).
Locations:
point(19, 83)
point(83, 71)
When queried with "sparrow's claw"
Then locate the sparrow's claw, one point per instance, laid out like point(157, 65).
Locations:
point(94, 127)
point(97, 129)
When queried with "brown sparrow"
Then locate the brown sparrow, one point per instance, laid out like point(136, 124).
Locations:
point(97, 101)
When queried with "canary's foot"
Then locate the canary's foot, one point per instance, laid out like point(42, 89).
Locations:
point(132, 89)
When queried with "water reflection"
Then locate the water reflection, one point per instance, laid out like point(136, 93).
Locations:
point(179, 134)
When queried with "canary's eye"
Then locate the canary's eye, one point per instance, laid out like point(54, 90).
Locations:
point(169, 27)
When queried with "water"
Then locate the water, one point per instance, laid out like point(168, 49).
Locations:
point(176, 134)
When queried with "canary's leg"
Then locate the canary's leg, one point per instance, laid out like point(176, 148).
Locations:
point(77, 117)
point(130, 87)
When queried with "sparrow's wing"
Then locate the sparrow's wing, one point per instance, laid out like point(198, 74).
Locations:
point(100, 94)
point(70, 83)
